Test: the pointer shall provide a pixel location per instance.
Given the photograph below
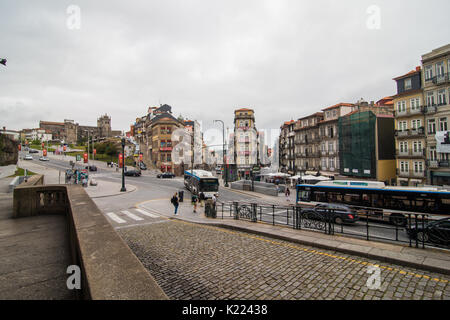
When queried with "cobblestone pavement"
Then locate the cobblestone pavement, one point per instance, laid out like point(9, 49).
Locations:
point(192, 261)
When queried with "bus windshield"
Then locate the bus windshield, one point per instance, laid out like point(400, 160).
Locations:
point(209, 185)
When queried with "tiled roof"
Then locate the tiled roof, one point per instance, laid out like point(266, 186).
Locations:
point(312, 115)
point(243, 109)
point(408, 74)
point(343, 104)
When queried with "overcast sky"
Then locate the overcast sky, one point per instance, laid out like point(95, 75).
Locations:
point(206, 58)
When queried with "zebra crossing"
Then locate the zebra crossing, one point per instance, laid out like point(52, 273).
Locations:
point(133, 216)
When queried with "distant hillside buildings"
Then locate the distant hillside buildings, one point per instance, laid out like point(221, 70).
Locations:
point(71, 132)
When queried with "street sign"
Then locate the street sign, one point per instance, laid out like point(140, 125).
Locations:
point(95, 152)
point(78, 157)
point(20, 147)
point(64, 148)
point(141, 156)
point(85, 156)
point(44, 152)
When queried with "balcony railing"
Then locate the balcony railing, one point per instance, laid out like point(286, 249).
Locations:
point(411, 174)
point(409, 111)
point(440, 79)
point(410, 132)
point(420, 153)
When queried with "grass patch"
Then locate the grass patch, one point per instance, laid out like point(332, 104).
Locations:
point(21, 172)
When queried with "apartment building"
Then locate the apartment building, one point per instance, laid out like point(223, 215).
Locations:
point(307, 144)
point(245, 142)
point(436, 92)
point(287, 147)
point(410, 138)
point(329, 138)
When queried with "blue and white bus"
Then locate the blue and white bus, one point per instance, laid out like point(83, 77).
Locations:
point(378, 201)
point(198, 181)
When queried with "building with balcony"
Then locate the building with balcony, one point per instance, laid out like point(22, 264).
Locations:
point(410, 138)
point(307, 144)
point(329, 138)
point(436, 93)
point(287, 147)
point(245, 137)
point(366, 143)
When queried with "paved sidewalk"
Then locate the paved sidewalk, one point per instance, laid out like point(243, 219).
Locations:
point(6, 171)
point(34, 254)
point(435, 260)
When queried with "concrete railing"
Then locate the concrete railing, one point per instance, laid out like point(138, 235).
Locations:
point(34, 180)
point(110, 270)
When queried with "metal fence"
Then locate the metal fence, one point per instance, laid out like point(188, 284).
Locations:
point(412, 231)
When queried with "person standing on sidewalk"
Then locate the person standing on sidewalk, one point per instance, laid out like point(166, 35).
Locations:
point(194, 202)
point(287, 193)
point(175, 202)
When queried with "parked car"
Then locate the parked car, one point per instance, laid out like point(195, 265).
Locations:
point(165, 175)
point(338, 213)
point(132, 172)
point(33, 151)
point(437, 231)
point(28, 157)
point(142, 166)
point(44, 159)
point(92, 168)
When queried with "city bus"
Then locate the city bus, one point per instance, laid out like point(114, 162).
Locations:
point(377, 201)
point(198, 181)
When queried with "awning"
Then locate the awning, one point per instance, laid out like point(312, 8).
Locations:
point(440, 174)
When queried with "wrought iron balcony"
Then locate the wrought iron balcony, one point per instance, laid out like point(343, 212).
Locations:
point(420, 153)
point(410, 174)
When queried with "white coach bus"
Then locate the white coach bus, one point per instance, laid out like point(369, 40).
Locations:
point(198, 181)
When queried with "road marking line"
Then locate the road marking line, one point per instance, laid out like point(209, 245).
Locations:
point(148, 214)
point(304, 249)
point(132, 216)
point(114, 217)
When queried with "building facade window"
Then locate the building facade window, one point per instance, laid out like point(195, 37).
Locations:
point(430, 98)
point(433, 154)
point(403, 145)
point(428, 72)
point(441, 99)
point(416, 124)
point(401, 106)
point(402, 126)
point(408, 84)
point(404, 166)
point(417, 146)
point(418, 166)
point(415, 104)
point(440, 69)
point(431, 126)
point(443, 124)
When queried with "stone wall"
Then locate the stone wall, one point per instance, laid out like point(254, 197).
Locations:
point(9, 152)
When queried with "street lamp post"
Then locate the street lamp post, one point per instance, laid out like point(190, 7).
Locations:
point(223, 152)
point(123, 166)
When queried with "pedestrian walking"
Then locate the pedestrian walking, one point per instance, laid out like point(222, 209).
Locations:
point(202, 198)
point(194, 202)
point(287, 193)
point(175, 202)
point(214, 199)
